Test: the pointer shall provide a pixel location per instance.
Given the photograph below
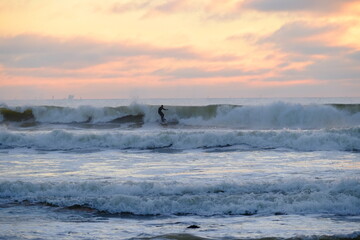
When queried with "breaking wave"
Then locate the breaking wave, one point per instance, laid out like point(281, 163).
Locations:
point(295, 196)
point(299, 140)
point(273, 116)
point(274, 126)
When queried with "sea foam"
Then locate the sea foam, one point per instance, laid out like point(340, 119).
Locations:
point(295, 196)
point(300, 140)
point(273, 116)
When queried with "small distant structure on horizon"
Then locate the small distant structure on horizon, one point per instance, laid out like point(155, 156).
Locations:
point(71, 97)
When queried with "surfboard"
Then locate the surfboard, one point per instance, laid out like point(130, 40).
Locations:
point(170, 122)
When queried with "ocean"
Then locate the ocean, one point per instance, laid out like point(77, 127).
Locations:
point(218, 169)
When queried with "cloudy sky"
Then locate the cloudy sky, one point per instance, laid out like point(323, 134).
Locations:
point(179, 48)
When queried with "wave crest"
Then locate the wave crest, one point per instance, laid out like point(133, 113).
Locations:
point(273, 116)
point(296, 196)
point(300, 140)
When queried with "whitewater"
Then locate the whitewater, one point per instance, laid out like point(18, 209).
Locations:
point(217, 169)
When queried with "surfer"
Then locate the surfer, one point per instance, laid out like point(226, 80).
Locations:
point(161, 113)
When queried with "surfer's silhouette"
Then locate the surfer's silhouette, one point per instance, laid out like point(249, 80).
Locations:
point(161, 113)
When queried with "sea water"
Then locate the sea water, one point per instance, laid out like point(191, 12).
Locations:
point(218, 169)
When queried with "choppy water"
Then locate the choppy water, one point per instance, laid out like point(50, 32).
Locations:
point(235, 168)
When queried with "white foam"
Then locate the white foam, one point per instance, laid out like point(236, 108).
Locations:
point(280, 115)
point(300, 140)
point(273, 116)
point(295, 196)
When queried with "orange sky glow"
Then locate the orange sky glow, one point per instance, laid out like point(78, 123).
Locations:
point(179, 49)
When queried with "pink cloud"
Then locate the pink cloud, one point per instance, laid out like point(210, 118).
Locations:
point(296, 5)
point(35, 51)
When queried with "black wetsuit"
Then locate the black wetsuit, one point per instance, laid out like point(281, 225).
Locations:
point(161, 113)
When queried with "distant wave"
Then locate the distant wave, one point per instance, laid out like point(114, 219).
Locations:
point(274, 126)
point(295, 196)
point(273, 116)
point(346, 139)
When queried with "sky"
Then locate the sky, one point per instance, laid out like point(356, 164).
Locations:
point(103, 49)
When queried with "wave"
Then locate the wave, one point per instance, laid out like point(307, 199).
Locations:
point(273, 116)
point(295, 196)
point(299, 140)
point(181, 236)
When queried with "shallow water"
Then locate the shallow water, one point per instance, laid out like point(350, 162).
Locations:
point(231, 179)
point(271, 193)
